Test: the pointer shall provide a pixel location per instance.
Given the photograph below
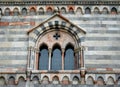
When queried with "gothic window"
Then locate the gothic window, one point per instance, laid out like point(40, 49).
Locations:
point(87, 10)
point(65, 80)
point(7, 12)
point(43, 60)
point(100, 81)
point(105, 11)
point(79, 11)
point(71, 11)
point(96, 11)
point(69, 57)
point(35, 80)
point(55, 80)
point(45, 80)
point(11, 81)
point(32, 11)
point(63, 10)
point(24, 11)
point(2, 81)
point(56, 58)
point(113, 10)
point(89, 81)
point(21, 80)
point(110, 81)
point(75, 80)
point(41, 11)
point(16, 12)
point(49, 10)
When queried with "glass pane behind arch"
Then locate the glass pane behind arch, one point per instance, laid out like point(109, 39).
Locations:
point(43, 61)
point(56, 60)
point(69, 59)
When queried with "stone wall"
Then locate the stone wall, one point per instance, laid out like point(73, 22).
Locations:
point(102, 48)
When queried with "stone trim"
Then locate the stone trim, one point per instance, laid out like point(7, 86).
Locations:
point(56, 2)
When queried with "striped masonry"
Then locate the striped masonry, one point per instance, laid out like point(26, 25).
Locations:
point(102, 39)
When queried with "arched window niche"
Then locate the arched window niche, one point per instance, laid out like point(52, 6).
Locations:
point(15, 12)
point(7, 12)
point(105, 11)
point(24, 11)
point(56, 61)
point(21, 80)
point(41, 11)
point(87, 10)
point(57, 54)
point(11, 81)
point(90, 81)
point(63, 10)
point(55, 80)
point(2, 81)
point(32, 11)
point(43, 57)
point(100, 81)
point(69, 57)
point(114, 11)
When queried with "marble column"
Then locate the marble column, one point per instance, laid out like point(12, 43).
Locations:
point(50, 52)
point(37, 59)
point(82, 71)
point(82, 57)
point(63, 50)
point(29, 56)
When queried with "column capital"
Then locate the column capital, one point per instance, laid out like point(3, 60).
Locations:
point(50, 49)
point(81, 48)
point(63, 50)
point(33, 49)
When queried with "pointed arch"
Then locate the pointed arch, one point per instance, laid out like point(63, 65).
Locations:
point(90, 81)
point(2, 81)
point(96, 10)
point(11, 80)
point(100, 80)
point(56, 61)
point(65, 80)
point(15, 11)
point(32, 11)
point(63, 10)
point(113, 10)
point(24, 11)
point(71, 10)
point(75, 80)
point(7, 12)
point(69, 57)
point(43, 57)
point(45, 80)
point(41, 11)
point(35, 80)
point(110, 81)
point(105, 10)
point(49, 10)
point(55, 80)
point(87, 10)
point(79, 11)
point(21, 80)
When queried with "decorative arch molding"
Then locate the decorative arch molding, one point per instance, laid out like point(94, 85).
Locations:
point(55, 22)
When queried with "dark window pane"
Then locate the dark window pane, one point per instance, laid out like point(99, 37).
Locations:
point(43, 61)
point(69, 59)
point(56, 60)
